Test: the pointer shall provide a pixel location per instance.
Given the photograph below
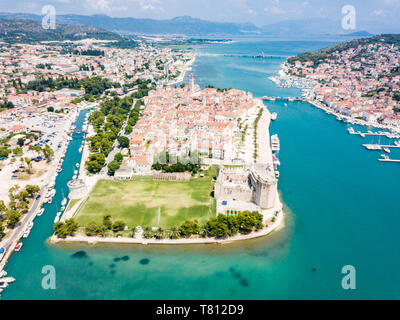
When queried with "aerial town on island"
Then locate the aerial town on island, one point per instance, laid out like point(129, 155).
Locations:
point(140, 122)
point(356, 80)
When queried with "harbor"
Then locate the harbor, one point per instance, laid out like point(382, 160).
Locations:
point(52, 201)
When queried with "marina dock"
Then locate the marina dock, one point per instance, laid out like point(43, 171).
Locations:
point(389, 160)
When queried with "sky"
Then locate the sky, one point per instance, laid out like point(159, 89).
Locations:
point(371, 15)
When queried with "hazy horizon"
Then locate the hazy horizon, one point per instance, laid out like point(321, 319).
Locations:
point(375, 16)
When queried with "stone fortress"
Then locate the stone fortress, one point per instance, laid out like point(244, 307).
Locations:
point(252, 187)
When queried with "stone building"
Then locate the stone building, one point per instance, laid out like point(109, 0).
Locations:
point(245, 188)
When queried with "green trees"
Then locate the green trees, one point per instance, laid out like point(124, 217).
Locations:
point(21, 142)
point(4, 152)
point(13, 217)
point(64, 229)
point(166, 164)
point(118, 226)
point(94, 229)
point(113, 166)
point(95, 162)
point(2, 228)
point(107, 222)
point(48, 152)
point(245, 222)
point(108, 122)
point(123, 141)
point(189, 228)
point(32, 190)
point(128, 129)
point(6, 105)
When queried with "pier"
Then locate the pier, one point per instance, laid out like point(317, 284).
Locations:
point(389, 160)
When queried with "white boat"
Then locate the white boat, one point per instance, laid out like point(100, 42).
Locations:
point(77, 165)
point(18, 247)
point(58, 216)
point(26, 233)
point(3, 273)
point(74, 177)
point(30, 225)
point(64, 202)
point(7, 280)
point(387, 150)
point(274, 115)
point(40, 212)
point(275, 144)
point(351, 130)
point(277, 174)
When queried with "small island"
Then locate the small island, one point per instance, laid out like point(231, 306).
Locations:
point(197, 167)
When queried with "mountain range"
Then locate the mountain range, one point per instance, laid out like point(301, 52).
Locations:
point(189, 26)
point(13, 30)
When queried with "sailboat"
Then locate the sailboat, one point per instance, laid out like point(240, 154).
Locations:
point(64, 201)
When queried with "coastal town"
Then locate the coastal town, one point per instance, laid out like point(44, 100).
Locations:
point(43, 90)
point(156, 126)
point(359, 80)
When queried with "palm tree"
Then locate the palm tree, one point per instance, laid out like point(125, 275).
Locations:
point(174, 233)
point(204, 231)
point(159, 233)
point(147, 234)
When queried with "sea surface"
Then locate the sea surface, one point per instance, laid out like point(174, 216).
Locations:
point(342, 208)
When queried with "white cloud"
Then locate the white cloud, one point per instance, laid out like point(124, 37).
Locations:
point(377, 12)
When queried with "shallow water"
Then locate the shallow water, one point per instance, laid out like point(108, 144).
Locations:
point(341, 208)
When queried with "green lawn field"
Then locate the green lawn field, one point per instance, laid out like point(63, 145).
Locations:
point(150, 203)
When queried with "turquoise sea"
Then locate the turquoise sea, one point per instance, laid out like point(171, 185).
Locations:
point(342, 208)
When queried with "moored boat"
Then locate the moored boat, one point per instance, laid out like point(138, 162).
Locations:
point(18, 247)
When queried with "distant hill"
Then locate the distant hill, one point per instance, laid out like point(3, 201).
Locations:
point(13, 30)
point(319, 55)
point(358, 34)
point(315, 26)
point(184, 25)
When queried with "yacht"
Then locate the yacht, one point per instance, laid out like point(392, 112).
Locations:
point(58, 216)
point(372, 146)
point(384, 157)
point(275, 144)
point(26, 233)
point(7, 280)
